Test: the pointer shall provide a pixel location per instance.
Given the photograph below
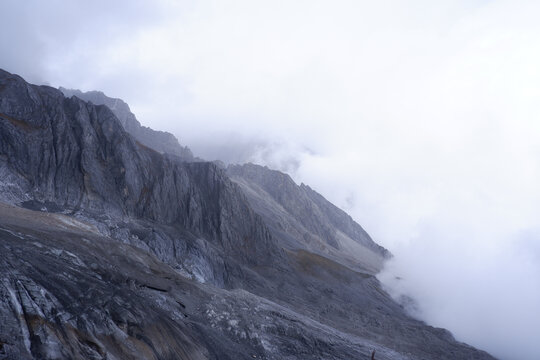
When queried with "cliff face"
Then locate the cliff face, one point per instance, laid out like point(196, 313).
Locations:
point(76, 156)
point(302, 219)
point(160, 141)
point(112, 250)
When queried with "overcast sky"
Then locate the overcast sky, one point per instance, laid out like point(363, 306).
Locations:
point(419, 118)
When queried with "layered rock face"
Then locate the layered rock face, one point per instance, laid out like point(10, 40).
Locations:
point(160, 141)
point(78, 157)
point(303, 219)
point(113, 250)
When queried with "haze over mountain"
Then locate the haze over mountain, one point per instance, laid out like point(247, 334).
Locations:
point(161, 141)
point(113, 250)
point(418, 118)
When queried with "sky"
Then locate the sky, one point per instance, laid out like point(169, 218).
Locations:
point(420, 118)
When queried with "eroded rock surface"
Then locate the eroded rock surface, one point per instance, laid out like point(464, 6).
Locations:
point(160, 141)
point(303, 219)
point(112, 250)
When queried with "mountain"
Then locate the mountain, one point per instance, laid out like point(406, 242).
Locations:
point(303, 219)
point(160, 141)
point(112, 249)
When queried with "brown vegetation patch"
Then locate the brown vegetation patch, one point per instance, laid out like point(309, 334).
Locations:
point(142, 146)
point(18, 123)
point(145, 191)
point(317, 266)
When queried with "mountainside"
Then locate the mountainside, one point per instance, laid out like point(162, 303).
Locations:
point(112, 249)
point(160, 141)
point(305, 220)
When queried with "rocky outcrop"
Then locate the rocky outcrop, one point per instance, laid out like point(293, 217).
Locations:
point(112, 250)
point(301, 218)
point(67, 292)
point(76, 156)
point(160, 141)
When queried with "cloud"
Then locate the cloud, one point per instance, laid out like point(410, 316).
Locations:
point(418, 118)
point(66, 41)
point(485, 294)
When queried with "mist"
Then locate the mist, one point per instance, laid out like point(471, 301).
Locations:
point(418, 118)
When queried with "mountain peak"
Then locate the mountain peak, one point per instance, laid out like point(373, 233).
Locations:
point(160, 141)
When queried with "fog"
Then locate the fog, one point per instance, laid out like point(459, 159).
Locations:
point(419, 118)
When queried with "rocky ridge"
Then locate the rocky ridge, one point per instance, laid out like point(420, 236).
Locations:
point(305, 220)
point(113, 250)
point(160, 141)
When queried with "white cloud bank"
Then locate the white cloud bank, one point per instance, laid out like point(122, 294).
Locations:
point(420, 118)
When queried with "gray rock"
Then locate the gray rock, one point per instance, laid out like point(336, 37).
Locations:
point(111, 250)
point(302, 219)
point(69, 293)
point(78, 157)
point(160, 141)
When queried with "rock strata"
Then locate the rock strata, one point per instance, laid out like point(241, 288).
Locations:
point(112, 249)
point(160, 141)
point(302, 218)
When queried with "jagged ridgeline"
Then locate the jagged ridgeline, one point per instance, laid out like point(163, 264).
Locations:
point(116, 243)
point(161, 141)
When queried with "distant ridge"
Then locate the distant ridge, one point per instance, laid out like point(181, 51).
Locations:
point(303, 219)
point(161, 141)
